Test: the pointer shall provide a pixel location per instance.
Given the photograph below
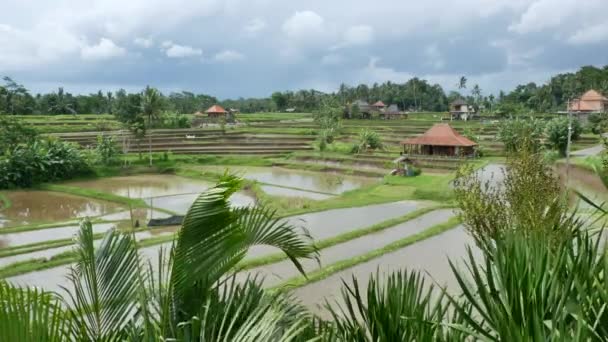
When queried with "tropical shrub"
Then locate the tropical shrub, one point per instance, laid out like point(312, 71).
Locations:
point(368, 140)
point(557, 133)
point(527, 196)
point(13, 133)
point(106, 151)
point(41, 161)
point(174, 120)
point(512, 133)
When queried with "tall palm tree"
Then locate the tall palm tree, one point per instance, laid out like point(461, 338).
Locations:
point(462, 82)
point(151, 105)
point(188, 294)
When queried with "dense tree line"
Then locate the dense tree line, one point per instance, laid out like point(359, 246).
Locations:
point(414, 95)
point(16, 99)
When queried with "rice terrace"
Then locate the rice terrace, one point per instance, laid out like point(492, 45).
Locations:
point(393, 211)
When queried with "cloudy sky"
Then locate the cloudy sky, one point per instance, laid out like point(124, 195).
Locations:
point(232, 48)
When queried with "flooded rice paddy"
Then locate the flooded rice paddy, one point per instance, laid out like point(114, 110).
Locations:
point(288, 192)
point(144, 186)
point(168, 192)
point(277, 273)
point(323, 182)
point(320, 225)
point(429, 256)
point(29, 207)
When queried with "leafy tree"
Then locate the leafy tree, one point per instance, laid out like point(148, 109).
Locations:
point(151, 106)
point(598, 123)
point(518, 133)
point(106, 151)
point(462, 82)
point(14, 133)
point(279, 100)
point(61, 103)
point(557, 133)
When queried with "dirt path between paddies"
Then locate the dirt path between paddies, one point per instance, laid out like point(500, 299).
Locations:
point(429, 256)
point(275, 274)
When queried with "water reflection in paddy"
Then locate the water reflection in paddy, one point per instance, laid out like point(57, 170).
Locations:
point(327, 182)
point(45, 206)
point(144, 186)
point(168, 192)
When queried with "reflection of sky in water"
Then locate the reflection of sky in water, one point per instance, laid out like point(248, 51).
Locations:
point(44, 206)
point(143, 186)
point(330, 183)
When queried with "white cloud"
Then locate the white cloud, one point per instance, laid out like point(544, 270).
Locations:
point(304, 25)
point(375, 73)
point(359, 35)
point(144, 42)
point(105, 49)
point(593, 34)
point(579, 21)
point(254, 26)
point(173, 50)
point(229, 56)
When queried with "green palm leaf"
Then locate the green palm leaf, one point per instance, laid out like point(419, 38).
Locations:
point(29, 314)
point(106, 281)
point(214, 238)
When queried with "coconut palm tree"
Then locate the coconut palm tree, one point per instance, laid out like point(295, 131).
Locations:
point(188, 294)
point(151, 105)
point(462, 82)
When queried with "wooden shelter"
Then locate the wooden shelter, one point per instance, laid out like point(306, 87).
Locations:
point(440, 140)
point(216, 111)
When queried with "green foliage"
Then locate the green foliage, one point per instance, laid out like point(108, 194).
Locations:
point(106, 151)
point(598, 123)
point(151, 105)
point(526, 197)
point(368, 140)
point(401, 307)
point(520, 132)
point(557, 133)
point(174, 120)
point(529, 287)
point(30, 314)
point(117, 296)
point(41, 161)
point(13, 133)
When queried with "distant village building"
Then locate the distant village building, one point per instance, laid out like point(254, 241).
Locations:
point(216, 111)
point(382, 110)
point(379, 105)
point(590, 102)
point(440, 140)
point(392, 112)
point(290, 110)
point(461, 110)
